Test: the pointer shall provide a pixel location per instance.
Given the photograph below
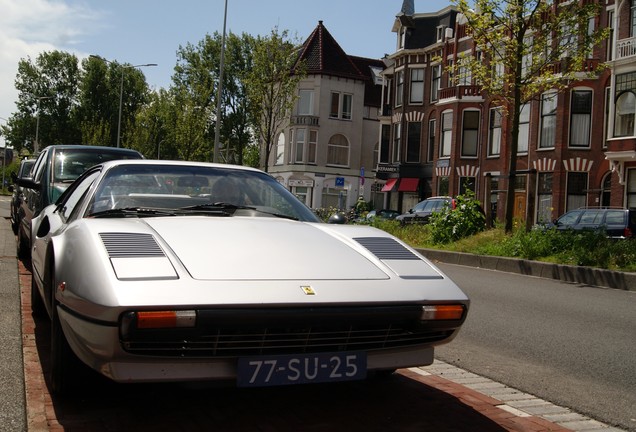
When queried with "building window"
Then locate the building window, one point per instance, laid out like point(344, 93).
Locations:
point(625, 110)
point(311, 146)
point(413, 142)
point(385, 144)
point(467, 184)
point(290, 153)
point(341, 104)
point(524, 128)
point(401, 37)
point(544, 197)
point(580, 118)
point(397, 141)
point(334, 197)
point(302, 193)
point(608, 92)
point(300, 146)
point(443, 186)
point(464, 75)
point(431, 140)
point(610, 37)
point(494, 140)
point(436, 77)
point(399, 87)
point(470, 133)
point(447, 134)
point(631, 188)
point(632, 31)
point(280, 150)
point(548, 120)
point(338, 151)
point(417, 86)
point(577, 190)
point(305, 102)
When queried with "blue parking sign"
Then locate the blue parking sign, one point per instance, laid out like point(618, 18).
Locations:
point(340, 181)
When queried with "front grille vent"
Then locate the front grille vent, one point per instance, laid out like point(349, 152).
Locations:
point(131, 245)
point(386, 248)
point(228, 342)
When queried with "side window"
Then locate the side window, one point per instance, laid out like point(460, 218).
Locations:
point(75, 195)
point(615, 217)
point(38, 168)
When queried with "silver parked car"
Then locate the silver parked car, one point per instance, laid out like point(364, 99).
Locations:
point(176, 271)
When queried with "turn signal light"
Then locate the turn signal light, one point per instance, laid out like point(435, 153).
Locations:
point(442, 312)
point(166, 319)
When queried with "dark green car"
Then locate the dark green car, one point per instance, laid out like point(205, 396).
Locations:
point(55, 168)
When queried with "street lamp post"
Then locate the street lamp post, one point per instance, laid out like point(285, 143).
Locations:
point(121, 88)
point(217, 126)
point(4, 157)
point(36, 144)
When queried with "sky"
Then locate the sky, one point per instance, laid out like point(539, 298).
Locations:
point(151, 31)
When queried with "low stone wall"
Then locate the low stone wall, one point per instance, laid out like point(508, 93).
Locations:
point(575, 274)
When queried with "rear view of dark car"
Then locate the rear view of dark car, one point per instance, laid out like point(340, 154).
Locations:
point(618, 223)
point(423, 210)
point(55, 168)
point(18, 195)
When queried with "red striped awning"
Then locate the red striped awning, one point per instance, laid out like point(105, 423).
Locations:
point(390, 185)
point(408, 184)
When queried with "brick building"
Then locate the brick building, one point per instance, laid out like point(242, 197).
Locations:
point(441, 135)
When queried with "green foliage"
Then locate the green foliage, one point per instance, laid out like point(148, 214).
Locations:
point(466, 219)
point(272, 87)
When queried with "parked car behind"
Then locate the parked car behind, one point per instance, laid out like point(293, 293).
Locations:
point(378, 214)
point(423, 210)
point(149, 276)
point(18, 194)
point(55, 168)
point(619, 223)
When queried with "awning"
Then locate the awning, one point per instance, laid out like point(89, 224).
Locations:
point(408, 184)
point(390, 184)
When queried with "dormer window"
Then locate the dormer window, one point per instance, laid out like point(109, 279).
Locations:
point(401, 37)
point(441, 31)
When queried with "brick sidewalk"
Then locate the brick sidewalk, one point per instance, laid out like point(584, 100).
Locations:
point(417, 399)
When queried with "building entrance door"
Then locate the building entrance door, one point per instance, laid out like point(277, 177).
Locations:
point(520, 206)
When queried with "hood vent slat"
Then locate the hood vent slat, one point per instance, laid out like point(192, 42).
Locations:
point(386, 248)
point(131, 245)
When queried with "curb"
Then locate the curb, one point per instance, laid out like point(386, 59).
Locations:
point(575, 274)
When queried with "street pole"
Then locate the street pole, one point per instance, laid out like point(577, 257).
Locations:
point(121, 88)
point(36, 144)
point(215, 157)
point(4, 157)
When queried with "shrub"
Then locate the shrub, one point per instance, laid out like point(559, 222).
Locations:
point(466, 219)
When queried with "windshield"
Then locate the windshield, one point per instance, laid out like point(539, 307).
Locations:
point(71, 163)
point(193, 190)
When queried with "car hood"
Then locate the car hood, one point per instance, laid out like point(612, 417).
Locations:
point(240, 248)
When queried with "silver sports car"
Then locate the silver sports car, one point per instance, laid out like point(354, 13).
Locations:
point(178, 271)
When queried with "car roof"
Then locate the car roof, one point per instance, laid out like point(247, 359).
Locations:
point(112, 163)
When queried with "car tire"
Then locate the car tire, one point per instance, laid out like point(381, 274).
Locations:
point(37, 304)
point(66, 369)
point(22, 247)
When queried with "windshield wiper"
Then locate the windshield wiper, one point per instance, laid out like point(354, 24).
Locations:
point(228, 206)
point(133, 212)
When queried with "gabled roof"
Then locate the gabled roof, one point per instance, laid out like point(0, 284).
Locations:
point(324, 56)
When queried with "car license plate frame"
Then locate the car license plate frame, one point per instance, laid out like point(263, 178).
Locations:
point(276, 370)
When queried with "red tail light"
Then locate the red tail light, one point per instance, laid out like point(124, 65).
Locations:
point(627, 232)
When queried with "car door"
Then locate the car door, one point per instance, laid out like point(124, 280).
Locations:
point(53, 218)
point(32, 197)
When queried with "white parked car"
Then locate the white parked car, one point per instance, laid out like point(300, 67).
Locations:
point(176, 271)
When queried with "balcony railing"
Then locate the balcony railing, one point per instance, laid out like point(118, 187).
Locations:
point(626, 48)
point(460, 92)
point(305, 120)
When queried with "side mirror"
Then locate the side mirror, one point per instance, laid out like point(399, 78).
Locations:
point(337, 218)
point(28, 183)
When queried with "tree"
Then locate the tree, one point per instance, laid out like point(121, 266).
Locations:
point(197, 74)
point(528, 47)
point(99, 99)
point(46, 102)
point(272, 87)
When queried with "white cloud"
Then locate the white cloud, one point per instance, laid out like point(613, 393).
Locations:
point(29, 27)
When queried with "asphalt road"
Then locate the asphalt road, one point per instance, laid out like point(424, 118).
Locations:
point(570, 344)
